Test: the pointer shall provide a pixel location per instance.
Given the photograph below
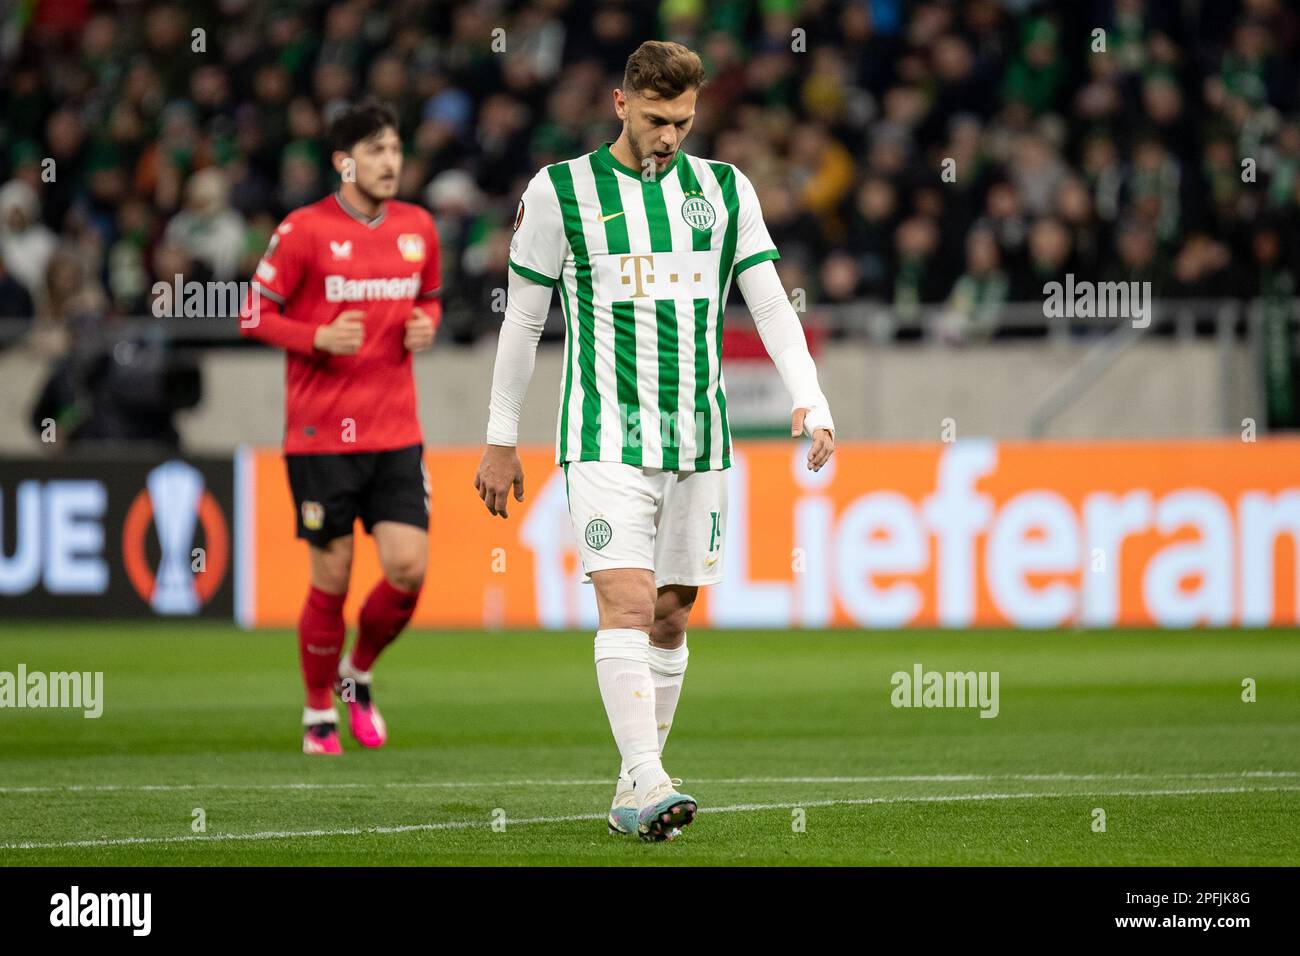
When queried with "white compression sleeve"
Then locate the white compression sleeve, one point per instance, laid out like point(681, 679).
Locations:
point(782, 336)
point(527, 303)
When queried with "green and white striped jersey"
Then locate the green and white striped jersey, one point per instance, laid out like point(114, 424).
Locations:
point(643, 270)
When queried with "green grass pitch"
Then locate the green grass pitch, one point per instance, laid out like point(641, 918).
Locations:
point(788, 740)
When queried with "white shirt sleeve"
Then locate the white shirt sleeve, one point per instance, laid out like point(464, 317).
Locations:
point(783, 338)
point(527, 303)
point(539, 246)
point(753, 243)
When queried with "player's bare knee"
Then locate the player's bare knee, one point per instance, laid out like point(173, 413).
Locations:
point(332, 578)
point(636, 609)
point(331, 566)
point(625, 598)
point(672, 613)
point(634, 612)
point(669, 630)
point(629, 620)
point(407, 572)
point(331, 582)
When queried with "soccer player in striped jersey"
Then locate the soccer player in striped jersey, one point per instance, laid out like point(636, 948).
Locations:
point(642, 243)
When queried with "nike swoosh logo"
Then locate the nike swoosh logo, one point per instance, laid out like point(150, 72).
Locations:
point(612, 215)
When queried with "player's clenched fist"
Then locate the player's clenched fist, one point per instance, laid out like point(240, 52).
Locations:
point(498, 471)
point(344, 335)
point(419, 331)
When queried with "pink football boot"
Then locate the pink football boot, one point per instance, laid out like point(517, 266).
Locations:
point(321, 739)
point(364, 719)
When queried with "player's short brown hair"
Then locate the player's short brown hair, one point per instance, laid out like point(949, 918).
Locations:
point(359, 122)
point(664, 68)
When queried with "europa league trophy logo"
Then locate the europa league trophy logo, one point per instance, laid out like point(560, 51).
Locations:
point(175, 489)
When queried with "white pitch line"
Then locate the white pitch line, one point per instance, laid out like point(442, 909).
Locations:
point(1025, 777)
point(170, 788)
point(744, 781)
point(577, 817)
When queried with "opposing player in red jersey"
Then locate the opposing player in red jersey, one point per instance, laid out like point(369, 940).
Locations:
point(348, 288)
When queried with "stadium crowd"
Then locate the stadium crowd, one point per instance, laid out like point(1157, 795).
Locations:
point(936, 151)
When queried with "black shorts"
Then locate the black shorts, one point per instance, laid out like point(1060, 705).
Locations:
point(331, 491)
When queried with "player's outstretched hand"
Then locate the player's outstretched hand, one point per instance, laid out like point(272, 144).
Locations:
point(823, 445)
point(419, 331)
point(498, 472)
point(344, 335)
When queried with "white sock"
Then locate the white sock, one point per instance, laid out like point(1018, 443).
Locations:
point(628, 691)
point(310, 716)
point(346, 670)
point(668, 670)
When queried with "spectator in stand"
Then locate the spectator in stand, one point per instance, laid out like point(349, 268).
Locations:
point(15, 301)
point(917, 280)
point(1048, 260)
point(209, 231)
point(26, 244)
point(1139, 259)
point(163, 154)
point(975, 303)
point(72, 308)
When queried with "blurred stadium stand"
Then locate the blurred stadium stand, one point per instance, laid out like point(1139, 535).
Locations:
point(1173, 158)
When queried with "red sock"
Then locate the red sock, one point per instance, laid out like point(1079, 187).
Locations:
point(320, 642)
point(383, 616)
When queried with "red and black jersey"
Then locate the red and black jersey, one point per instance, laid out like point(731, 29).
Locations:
point(325, 259)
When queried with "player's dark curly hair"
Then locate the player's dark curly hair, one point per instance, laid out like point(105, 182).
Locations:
point(359, 122)
point(664, 68)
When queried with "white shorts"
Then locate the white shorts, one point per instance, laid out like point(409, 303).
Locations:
point(669, 522)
